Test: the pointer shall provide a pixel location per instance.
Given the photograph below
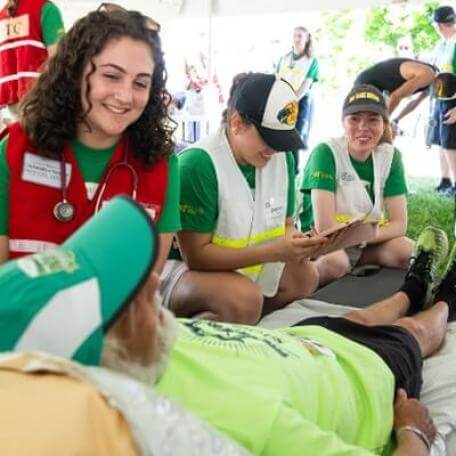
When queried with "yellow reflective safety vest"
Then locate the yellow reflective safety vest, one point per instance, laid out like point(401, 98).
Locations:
point(352, 197)
point(249, 217)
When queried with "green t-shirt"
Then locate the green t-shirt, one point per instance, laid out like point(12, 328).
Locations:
point(199, 195)
point(52, 27)
point(301, 390)
point(92, 163)
point(314, 71)
point(199, 191)
point(320, 174)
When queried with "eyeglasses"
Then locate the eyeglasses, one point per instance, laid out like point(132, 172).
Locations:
point(106, 7)
point(403, 48)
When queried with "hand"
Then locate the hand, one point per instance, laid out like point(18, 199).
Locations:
point(450, 116)
point(410, 412)
point(296, 246)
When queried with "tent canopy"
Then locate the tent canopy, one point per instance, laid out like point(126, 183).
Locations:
point(167, 9)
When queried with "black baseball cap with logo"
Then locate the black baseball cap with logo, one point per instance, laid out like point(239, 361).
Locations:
point(365, 98)
point(444, 15)
point(270, 103)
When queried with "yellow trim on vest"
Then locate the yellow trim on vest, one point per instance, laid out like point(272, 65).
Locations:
point(254, 270)
point(244, 241)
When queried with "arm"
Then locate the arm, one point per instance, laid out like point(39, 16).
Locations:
point(410, 412)
point(165, 240)
point(304, 88)
point(417, 76)
point(52, 27)
point(169, 221)
point(396, 211)
point(324, 209)
point(200, 253)
point(312, 76)
point(410, 106)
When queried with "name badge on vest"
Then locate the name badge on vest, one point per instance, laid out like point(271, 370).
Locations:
point(44, 171)
point(14, 27)
point(274, 212)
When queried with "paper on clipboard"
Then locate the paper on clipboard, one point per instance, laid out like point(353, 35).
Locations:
point(355, 232)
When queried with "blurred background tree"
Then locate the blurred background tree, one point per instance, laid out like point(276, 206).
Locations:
point(388, 25)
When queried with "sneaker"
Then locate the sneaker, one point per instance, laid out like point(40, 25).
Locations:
point(450, 191)
point(446, 290)
point(443, 186)
point(430, 251)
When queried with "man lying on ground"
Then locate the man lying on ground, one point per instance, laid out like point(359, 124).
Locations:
point(328, 385)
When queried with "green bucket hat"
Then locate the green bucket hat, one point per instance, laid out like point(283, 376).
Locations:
point(63, 301)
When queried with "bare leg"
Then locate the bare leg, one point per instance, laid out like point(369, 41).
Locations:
point(444, 168)
point(394, 253)
point(222, 296)
point(299, 280)
point(332, 266)
point(383, 312)
point(428, 327)
point(450, 155)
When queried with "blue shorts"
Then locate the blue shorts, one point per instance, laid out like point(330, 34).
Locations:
point(442, 134)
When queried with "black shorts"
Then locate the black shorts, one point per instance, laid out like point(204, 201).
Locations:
point(442, 134)
point(394, 344)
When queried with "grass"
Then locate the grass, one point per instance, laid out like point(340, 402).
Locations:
point(426, 207)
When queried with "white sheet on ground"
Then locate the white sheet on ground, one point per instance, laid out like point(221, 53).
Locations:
point(439, 374)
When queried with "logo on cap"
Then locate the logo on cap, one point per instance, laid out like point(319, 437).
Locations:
point(364, 96)
point(289, 114)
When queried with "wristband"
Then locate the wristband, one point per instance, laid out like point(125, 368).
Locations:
point(418, 432)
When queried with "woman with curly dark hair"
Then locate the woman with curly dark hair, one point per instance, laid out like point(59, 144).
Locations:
point(94, 125)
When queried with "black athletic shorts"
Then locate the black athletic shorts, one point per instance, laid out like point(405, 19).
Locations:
point(394, 344)
point(442, 134)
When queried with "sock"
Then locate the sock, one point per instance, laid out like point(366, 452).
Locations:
point(415, 290)
point(445, 182)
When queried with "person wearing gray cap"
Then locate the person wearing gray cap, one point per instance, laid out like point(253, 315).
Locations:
point(358, 174)
point(443, 130)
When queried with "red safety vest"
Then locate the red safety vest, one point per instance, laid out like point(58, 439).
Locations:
point(32, 225)
point(22, 50)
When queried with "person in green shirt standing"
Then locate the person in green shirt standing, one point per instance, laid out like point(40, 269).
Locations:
point(300, 69)
point(360, 173)
point(94, 125)
point(31, 30)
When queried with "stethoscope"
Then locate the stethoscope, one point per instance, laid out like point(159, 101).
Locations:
point(64, 211)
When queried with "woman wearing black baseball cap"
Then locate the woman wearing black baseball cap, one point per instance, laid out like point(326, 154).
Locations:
point(237, 200)
point(356, 174)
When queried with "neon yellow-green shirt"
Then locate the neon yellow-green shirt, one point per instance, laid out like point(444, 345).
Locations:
point(296, 391)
